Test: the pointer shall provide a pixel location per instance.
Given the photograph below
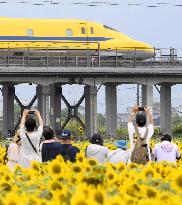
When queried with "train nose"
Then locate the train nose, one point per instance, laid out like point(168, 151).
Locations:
point(137, 49)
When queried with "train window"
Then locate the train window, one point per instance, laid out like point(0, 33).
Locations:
point(107, 27)
point(83, 30)
point(91, 30)
point(18, 54)
point(69, 32)
point(29, 32)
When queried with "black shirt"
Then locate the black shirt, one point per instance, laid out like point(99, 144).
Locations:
point(51, 150)
point(69, 152)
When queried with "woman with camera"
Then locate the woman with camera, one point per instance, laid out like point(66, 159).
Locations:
point(140, 134)
point(30, 137)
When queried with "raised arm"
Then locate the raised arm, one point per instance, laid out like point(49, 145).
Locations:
point(37, 113)
point(150, 116)
point(25, 113)
point(133, 113)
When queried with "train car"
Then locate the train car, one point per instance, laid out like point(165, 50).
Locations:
point(60, 35)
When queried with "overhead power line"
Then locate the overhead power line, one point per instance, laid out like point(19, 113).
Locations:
point(129, 3)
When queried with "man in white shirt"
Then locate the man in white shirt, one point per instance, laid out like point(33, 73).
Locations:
point(141, 120)
point(96, 149)
point(119, 155)
point(166, 150)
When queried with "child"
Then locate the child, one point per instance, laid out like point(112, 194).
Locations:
point(13, 152)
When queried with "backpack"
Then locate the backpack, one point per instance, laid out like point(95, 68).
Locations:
point(140, 153)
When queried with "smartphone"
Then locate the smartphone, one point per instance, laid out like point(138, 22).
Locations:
point(141, 109)
point(31, 112)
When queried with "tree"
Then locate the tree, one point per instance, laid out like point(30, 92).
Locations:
point(176, 120)
point(101, 120)
point(177, 130)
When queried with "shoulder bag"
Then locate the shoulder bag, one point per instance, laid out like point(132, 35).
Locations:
point(31, 144)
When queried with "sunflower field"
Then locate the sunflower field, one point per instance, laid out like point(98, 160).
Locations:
point(88, 183)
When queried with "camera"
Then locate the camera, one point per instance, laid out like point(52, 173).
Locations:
point(44, 127)
point(31, 112)
point(141, 109)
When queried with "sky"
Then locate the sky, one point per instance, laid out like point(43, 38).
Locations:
point(157, 22)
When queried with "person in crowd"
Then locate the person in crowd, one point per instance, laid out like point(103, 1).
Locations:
point(122, 154)
point(141, 130)
point(30, 137)
point(13, 151)
point(96, 149)
point(67, 150)
point(50, 147)
point(166, 150)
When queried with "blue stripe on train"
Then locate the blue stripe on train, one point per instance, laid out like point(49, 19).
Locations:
point(32, 38)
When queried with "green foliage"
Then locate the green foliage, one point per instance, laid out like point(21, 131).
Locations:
point(64, 113)
point(157, 133)
point(102, 130)
point(4, 142)
point(176, 120)
point(73, 126)
point(17, 113)
point(101, 120)
point(122, 133)
point(177, 130)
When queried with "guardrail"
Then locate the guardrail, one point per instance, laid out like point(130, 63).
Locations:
point(89, 58)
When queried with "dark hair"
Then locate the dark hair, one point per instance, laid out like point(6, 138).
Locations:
point(30, 124)
point(141, 119)
point(96, 139)
point(166, 137)
point(48, 133)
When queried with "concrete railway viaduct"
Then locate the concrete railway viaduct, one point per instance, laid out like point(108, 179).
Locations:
point(50, 74)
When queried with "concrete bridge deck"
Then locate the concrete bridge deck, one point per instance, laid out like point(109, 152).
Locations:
point(88, 75)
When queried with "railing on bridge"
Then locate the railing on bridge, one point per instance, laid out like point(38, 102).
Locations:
point(120, 57)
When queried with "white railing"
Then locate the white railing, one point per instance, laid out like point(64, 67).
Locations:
point(69, 57)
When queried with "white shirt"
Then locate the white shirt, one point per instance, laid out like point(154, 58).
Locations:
point(142, 130)
point(27, 153)
point(166, 151)
point(118, 155)
point(97, 152)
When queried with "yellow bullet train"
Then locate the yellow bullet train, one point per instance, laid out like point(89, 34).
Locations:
point(77, 36)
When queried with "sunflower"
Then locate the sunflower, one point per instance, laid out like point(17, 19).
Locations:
point(55, 168)
point(92, 162)
point(177, 182)
point(80, 199)
point(80, 157)
point(149, 172)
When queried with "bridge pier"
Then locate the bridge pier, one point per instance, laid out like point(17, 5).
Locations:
point(43, 93)
point(55, 108)
point(90, 110)
point(111, 109)
point(147, 95)
point(165, 108)
point(8, 109)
